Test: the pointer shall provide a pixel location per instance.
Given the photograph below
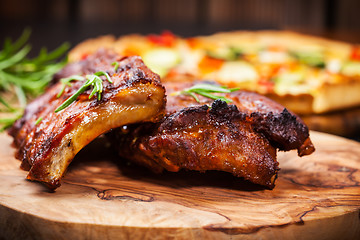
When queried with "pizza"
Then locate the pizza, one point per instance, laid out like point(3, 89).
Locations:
point(306, 74)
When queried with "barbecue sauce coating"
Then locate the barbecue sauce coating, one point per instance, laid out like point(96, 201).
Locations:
point(201, 138)
point(284, 129)
point(47, 148)
point(240, 138)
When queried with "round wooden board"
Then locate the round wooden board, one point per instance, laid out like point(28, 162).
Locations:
point(316, 197)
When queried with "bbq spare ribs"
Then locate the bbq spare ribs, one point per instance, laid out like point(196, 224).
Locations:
point(47, 141)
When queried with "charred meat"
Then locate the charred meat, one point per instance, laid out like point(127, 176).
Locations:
point(47, 141)
point(240, 138)
point(284, 129)
point(201, 138)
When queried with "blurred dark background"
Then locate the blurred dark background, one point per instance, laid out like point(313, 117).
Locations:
point(55, 21)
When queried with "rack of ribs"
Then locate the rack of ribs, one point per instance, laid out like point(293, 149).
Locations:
point(241, 137)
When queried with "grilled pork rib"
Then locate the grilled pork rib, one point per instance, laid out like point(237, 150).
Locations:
point(201, 138)
point(232, 138)
point(47, 148)
point(285, 130)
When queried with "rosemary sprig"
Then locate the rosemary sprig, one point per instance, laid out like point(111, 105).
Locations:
point(22, 78)
point(208, 90)
point(93, 80)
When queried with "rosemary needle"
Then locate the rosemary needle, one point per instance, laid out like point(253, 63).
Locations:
point(66, 82)
point(38, 120)
point(116, 66)
point(207, 90)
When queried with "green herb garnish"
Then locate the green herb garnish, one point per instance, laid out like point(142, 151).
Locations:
point(93, 80)
point(38, 120)
point(208, 90)
point(66, 82)
point(9, 121)
point(22, 78)
point(116, 66)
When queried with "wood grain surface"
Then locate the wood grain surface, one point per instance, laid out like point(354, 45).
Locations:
point(316, 197)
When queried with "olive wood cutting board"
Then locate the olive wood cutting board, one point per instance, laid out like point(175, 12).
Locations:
point(316, 197)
